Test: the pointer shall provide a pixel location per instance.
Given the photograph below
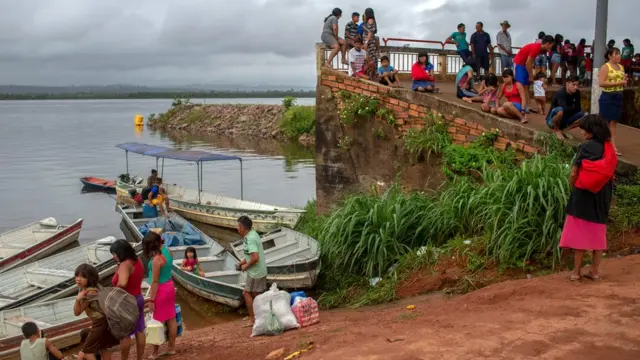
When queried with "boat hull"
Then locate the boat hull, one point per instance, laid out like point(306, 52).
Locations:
point(226, 295)
point(45, 248)
point(98, 184)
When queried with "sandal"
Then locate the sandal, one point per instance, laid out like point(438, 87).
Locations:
point(592, 277)
point(574, 277)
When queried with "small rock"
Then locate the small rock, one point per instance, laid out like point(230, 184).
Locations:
point(275, 354)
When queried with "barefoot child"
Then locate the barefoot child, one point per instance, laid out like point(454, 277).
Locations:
point(100, 339)
point(487, 94)
point(388, 75)
point(191, 263)
point(539, 91)
point(35, 346)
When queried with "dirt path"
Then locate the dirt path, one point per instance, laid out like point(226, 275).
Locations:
point(546, 317)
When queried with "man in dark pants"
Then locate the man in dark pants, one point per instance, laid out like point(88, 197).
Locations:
point(481, 49)
point(566, 108)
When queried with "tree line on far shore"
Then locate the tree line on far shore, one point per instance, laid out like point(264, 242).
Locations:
point(161, 95)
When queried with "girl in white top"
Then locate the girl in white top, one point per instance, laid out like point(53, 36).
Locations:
point(539, 91)
point(35, 346)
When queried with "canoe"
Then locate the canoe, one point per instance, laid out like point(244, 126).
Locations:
point(214, 209)
point(35, 241)
point(222, 282)
point(53, 277)
point(98, 183)
point(293, 258)
point(55, 318)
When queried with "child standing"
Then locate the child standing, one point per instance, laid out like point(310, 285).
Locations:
point(588, 69)
point(539, 91)
point(35, 346)
point(191, 263)
point(100, 339)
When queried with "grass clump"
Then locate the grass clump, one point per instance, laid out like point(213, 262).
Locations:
point(625, 212)
point(297, 120)
point(433, 138)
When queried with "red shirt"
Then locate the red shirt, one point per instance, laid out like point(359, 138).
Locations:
point(580, 50)
point(418, 73)
point(134, 285)
point(528, 51)
point(588, 64)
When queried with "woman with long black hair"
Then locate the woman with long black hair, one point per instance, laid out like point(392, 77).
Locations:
point(369, 36)
point(612, 81)
point(331, 39)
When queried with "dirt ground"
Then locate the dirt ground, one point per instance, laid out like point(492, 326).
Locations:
point(545, 317)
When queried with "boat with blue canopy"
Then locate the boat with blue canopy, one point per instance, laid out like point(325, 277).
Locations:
point(196, 204)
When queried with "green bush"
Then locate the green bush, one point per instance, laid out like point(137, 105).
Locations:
point(460, 160)
point(626, 211)
point(298, 120)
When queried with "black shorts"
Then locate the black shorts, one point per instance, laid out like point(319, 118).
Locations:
point(391, 78)
point(482, 61)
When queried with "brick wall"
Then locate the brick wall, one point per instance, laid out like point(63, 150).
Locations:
point(410, 112)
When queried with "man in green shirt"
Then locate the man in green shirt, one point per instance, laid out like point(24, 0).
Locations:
point(253, 263)
point(459, 38)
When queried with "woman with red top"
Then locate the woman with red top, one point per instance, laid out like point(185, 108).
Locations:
point(422, 75)
point(515, 94)
point(129, 277)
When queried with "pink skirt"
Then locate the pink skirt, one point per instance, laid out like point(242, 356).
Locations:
point(581, 234)
point(165, 302)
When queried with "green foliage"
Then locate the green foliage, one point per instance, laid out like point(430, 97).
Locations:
point(626, 211)
point(432, 138)
point(195, 115)
point(151, 117)
point(180, 100)
point(552, 146)
point(298, 120)
point(345, 143)
point(311, 222)
point(460, 160)
point(488, 138)
point(356, 106)
point(288, 102)
point(386, 115)
point(378, 133)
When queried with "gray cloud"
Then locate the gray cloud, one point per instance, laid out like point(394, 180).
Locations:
point(243, 42)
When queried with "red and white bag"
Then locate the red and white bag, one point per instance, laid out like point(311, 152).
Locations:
point(306, 312)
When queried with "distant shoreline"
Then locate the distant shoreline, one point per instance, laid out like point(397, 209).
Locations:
point(161, 95)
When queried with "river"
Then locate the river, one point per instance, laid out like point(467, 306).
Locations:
point(46, 146)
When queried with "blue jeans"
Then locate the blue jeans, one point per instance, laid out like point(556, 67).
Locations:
point(506, 61)
point(465, 55)
point(566, 121)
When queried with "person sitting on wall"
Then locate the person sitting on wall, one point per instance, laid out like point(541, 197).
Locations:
point(422, 75)
point(357, 59)
point(464, 83)
point(386, 72)
point(566, 109)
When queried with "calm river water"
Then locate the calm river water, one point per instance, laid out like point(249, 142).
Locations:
point(46, 146)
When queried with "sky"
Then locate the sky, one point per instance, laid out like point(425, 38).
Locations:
point(246, 42)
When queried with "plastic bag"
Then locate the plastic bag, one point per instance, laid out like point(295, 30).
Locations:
point(154, 332)
point(274, 327)
point(306, 311)
point(276, 301)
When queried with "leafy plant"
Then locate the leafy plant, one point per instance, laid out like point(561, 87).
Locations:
point(432, 138)
point(180, 101)
point(626, 211)
point(151, 117)
point(345, 143)
point(386, 115)
point(378, 132)
point(298, 120)
point(460, 160)
point(552, 146)
point(355, 106)
point(288, 102)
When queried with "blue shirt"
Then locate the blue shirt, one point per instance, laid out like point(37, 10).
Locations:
point(461, 39)
point(382, 69)
point(428, 67)
point(481, 42)
point(155, 189)
point(361, 29)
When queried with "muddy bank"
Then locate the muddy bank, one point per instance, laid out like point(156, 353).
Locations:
point(256, 120)
point(547, 317)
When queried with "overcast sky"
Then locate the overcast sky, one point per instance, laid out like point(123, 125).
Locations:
point(162, 42)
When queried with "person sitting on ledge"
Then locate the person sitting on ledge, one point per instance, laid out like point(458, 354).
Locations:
point(422, 75)
point(388, 75)
point(487, 94)
point(464, 83)
point(357, 58)
point(515, 94)
point(566, 110)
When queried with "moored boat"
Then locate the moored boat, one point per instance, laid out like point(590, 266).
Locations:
point(292, 258)
point(222, 283)
point(98, 183)
point(35, 241)
point(53, 277)
point(198, 205)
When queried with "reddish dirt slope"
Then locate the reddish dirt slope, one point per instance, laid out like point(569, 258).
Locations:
point(546, 317)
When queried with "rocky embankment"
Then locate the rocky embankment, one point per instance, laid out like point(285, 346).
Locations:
point(260, 121)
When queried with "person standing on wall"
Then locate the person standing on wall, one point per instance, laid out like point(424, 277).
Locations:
point(253, 263)
point(503, 40)
point(481, 48)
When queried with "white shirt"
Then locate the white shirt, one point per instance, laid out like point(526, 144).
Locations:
point(503, 38)
point(33, 351)
point(358, 58)
point(538, 89)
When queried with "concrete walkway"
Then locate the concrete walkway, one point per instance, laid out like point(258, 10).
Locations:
point(627, 138)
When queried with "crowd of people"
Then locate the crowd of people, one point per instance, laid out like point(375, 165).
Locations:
point(98, 342)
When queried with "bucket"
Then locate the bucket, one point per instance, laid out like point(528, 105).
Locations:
point(138, 120)
point(149, 211)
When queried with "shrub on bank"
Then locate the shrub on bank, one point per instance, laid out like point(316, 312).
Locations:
point(297, 120)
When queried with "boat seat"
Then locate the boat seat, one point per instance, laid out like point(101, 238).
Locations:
point(289, 244)
point(52, 272)
point(288, 254)
point(273, 236)
point(9, 298)
point(221, 273)
point(46, 231)
point(21, 320)
point(15, 246)
point(209, 258)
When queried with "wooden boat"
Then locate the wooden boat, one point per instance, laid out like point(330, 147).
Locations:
point(35, 241)
point(98, 183)
point(293, 258)
point(53, 277)
point(55, 318)
point(198, 205)
point(222, 282)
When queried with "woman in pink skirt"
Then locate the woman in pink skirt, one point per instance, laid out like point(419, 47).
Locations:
point(162, 300)
point(587, 212)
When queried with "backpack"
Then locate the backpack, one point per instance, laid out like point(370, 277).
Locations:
point(595, 174)
point(120, 308)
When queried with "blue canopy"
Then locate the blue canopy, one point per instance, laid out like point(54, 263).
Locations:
point(167, 153)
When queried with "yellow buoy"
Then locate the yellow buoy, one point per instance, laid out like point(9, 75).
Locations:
point(138, 120)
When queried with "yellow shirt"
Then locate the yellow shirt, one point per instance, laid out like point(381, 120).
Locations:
point(614, 76)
